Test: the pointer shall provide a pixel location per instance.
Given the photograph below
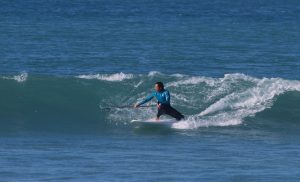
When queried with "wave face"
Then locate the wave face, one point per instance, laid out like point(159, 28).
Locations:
point(30, 102)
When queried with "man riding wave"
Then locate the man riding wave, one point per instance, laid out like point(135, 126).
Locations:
point(163, 102)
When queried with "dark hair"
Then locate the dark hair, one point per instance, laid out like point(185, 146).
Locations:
point(160, 84)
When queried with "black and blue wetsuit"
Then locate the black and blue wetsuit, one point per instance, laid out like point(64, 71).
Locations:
point(163, 98)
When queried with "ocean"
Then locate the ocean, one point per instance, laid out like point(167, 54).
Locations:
point(232, 68)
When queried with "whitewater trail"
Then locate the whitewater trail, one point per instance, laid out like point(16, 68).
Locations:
point(236, 106)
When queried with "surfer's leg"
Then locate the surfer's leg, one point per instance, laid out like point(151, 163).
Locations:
point(160, 112)
point(174, 113)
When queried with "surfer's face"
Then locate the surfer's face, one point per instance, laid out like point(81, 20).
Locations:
point(157, 88)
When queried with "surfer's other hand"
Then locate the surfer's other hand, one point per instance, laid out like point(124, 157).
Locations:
point(158, 106)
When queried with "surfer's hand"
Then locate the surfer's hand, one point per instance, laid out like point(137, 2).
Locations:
point(158, 106)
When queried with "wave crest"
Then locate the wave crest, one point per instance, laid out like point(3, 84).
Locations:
point(108, 77)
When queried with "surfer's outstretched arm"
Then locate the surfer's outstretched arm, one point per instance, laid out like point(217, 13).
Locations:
point(147, 99)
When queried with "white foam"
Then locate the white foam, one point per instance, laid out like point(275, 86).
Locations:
point(154, 73)
point(233, 108)
point(180, 97)
point(178, 75)
point(22, 77)
point(238, 76)
point(192, 81)
point(138, 84)
point(108, 77)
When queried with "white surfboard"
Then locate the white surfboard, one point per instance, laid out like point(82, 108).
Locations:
point(163, 122)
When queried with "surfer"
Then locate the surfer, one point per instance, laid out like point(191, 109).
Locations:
point(163, 102)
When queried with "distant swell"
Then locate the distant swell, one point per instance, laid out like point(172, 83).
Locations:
point(69, 103)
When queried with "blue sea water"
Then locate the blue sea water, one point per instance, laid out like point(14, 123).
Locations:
point(232, 67)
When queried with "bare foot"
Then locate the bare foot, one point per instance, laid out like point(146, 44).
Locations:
point(157, 119)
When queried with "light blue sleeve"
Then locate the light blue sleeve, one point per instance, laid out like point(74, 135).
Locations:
point(147, 99)
point(168, 97)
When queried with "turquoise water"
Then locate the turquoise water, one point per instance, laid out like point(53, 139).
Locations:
point(232, 68)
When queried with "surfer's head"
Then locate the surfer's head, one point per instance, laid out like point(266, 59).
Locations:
point(159, 86)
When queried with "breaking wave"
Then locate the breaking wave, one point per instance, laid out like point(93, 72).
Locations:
point(77, 102)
